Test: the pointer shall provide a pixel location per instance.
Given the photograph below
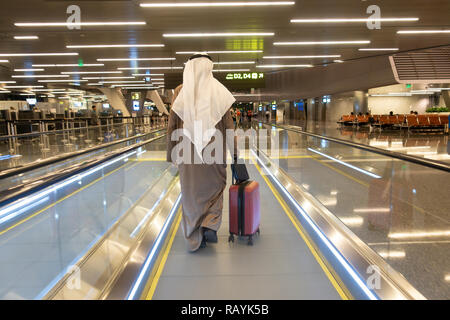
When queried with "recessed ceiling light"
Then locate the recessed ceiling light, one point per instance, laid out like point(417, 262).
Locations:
point(101, 78)
point(151, 68)
point(422, 31)
point(217, 4)
point(231, 70)
point(70, 65)
point(83, 24)
point(26, 70)
point(222, 34)
point(218, 52)
point(37, 54)
point(308, 43)
point(26, 37)
point(338, 20)
point(285, 66)
point(302, 57)
point(138, 59)
point(379, 49)
point(41, 76)
point(91, 72)
point(116, 46)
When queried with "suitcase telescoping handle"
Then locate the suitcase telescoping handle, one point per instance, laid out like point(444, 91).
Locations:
point(239, 172)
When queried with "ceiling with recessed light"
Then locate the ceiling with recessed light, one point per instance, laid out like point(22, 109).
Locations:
point(262, 37)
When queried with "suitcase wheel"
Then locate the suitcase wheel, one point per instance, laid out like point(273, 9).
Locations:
point(250, 240)
point(231, 238)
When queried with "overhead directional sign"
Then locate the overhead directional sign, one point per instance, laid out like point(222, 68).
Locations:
point(245, 76)
point(238, 80)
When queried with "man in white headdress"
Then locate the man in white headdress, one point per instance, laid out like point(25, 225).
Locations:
point(201, 110)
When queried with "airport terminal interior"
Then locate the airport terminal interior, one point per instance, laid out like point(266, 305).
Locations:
point(341, 115)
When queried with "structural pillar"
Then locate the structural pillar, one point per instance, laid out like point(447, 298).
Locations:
point(360, 102)
point(116, 99)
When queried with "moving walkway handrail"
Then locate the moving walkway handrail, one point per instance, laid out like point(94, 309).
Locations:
point(16, 193)
point(405, 157)
point(360, 256)
point(32, 134)
point(18, 170)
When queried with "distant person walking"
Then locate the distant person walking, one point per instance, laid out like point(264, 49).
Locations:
point(200, 105)
point(94, 116)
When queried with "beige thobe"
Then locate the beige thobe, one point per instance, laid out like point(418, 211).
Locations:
point(202, 185)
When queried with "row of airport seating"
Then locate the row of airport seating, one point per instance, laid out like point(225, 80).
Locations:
point(400, 121)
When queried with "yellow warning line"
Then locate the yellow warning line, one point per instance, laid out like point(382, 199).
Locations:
point(60, 200)
point(313, 250)
point(155, 280)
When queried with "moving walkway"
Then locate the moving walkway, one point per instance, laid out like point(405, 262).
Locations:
point(111, 230)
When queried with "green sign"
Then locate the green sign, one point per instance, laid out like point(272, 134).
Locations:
point(245, 76)
point(80, 62)
point(408, 86)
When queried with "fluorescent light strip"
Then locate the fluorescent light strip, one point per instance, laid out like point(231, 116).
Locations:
point(220, 34)
point(26, 37)
point(324, 239)
point(136, 88)
point(148, 75)
point(338, 61)
point(5, 91)
point(122, 82)
point(308, 43)
point(422, 31)
point(69, 80)
point(116, 46)
point(234, 62)
point(231, 70)
point(7, 81)
point(152, 68)
point(22, 87)
point(37, 54)
point(353, 20)
point(378, 49)
point(28, 94)
point(41, 76)
point(4, 61)
point(82, 24)
point(219, 52)
point(45, 90)
point(303, 57)
point(156, 246)
point(105, 78)
point(346, 164)
point(27, 70)
point(69, 65)
point(217, 4)
point(139, 59)
point(91, 72)
point(285, 66)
